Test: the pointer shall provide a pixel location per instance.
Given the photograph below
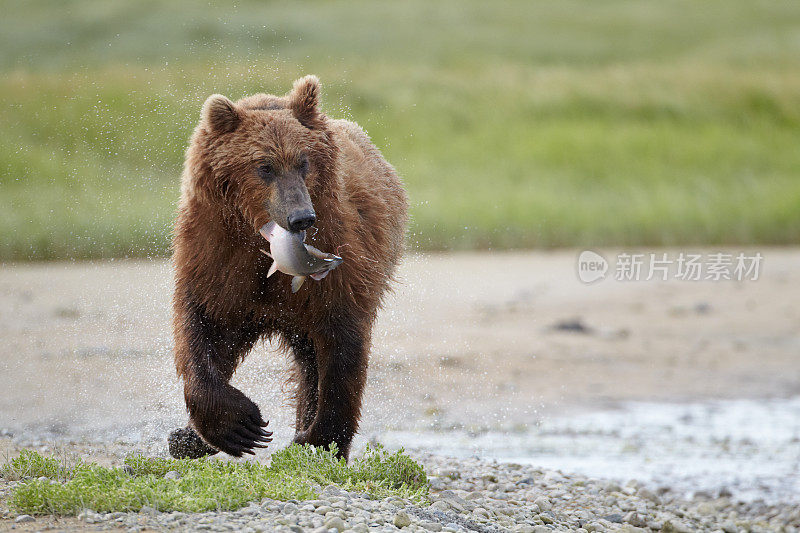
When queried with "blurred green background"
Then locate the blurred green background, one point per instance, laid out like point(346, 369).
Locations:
point(514, 124)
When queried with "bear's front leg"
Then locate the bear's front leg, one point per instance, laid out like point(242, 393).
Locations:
point(341, 355)
point(206, 354)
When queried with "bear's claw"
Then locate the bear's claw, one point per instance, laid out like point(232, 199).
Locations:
point(229, 421)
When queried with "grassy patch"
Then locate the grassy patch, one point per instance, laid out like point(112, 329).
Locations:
point(297, 472)
point(34, 465)
point(570, 123)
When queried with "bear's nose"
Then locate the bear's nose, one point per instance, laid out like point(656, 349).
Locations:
point(300, 220)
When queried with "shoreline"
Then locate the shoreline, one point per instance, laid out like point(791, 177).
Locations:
point(466, 495)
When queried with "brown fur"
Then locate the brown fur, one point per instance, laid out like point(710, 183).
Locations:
point(224, 302)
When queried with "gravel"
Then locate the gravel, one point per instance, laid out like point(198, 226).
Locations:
point(484, 497)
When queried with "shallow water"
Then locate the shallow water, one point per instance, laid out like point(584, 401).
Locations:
point(749, 447)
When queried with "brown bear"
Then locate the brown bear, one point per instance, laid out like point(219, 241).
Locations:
point(269, 158)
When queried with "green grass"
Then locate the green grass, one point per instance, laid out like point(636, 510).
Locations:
point(571, 123)
point(296, 473)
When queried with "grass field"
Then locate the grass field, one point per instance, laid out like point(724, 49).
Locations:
point(514, 124)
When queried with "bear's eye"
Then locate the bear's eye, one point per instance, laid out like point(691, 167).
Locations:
point(266, 171)
point(304, 165)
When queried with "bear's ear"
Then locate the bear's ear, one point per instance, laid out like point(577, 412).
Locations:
point(303, 101)
point(220, 114)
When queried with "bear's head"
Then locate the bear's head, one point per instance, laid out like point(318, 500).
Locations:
point(263, 157)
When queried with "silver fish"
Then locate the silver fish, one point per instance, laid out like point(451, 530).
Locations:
point(292, 256)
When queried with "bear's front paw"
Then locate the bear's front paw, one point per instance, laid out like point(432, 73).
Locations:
point(229, 421)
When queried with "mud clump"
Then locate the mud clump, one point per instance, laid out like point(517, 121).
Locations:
point(185, 443)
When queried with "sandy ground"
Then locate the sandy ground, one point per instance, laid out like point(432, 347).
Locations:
point(466, 340)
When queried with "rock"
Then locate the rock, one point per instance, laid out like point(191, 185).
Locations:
point(480, 511)
point(543, 503)
point(729, 527)
point(431, 526)
point(725, 492)
point(676, 526)
point(335, 523)
point(649, 495)
point(634, 519)
point(440, 506)
point(572, 325)
point(324, 509)
point(318, 503)
point(541, 529)
point(172, 474)
point(24, 518)
point(627, 505)
point(449, 473)
point(614, 518)
point(594, 526)
point(705, 509)
point(401, 519)
point(333, 490)
point(89, 516)
point(437, 483)
point(455, 501)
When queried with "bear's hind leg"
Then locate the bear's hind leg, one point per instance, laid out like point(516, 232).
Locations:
point(341, 350)
point(305, 378)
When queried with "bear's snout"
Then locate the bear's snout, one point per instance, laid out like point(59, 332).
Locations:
point(301, 219)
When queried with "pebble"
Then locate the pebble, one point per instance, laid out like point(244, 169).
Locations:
point(543, 503)
point(676, 526)
point(24, 518)
point(335, 523)
point(730, 527)
point(401, 519)
point(480, 511)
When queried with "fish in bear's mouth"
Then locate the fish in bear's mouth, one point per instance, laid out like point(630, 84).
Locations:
point(292, 256)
